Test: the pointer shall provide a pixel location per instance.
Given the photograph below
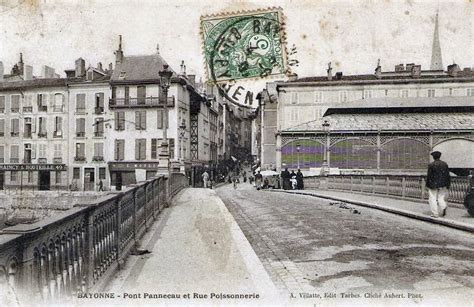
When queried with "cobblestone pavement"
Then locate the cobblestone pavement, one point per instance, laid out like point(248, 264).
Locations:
point(311, 245)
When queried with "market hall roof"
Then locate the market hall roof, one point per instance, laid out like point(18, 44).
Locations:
point(388, 122)
point(406, 105)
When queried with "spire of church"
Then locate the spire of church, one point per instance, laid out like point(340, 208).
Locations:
point(436, 58)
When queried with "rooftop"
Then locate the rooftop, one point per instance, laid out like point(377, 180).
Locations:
point(143, 67)
point(18, 85)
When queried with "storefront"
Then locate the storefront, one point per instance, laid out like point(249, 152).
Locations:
point(123, 174)
point(43, 177)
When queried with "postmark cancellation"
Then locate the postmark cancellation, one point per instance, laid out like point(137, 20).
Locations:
point(244, 45)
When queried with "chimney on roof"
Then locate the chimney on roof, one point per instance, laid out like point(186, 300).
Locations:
point(378, 70)
point(1, 71)
point(183, 69)
point(399, 68)
point(339, 75)
point(80, 67)
point(27, 72)
point(409, 66)
point(119, 52)
point(111, 67)
point(415, 71)
point(99, 66)
point(21, 65)
point(453, 70)
point(329, 71)
point(192, 80)
point(47, 72)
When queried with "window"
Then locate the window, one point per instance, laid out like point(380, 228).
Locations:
point(58, 151)
point(58, 177)
point(140, 120)
point(30, 177)
point(318, 97)
point(58, 126)
point(127, 95)
point(27, 154)
point(80, 152)
point(119, 149)
point(431, 93)
point(343, 96)
point(469, 92)
point(294, 115)
point(2, 104)
point(367, 94)
point(13, 176)
point(15, 103)
point(76, 173)
point(98, 152)
point(120, 120)
point(27, 132)
point(58, 102)
point(15, 127)
point(386, 92)
point(28, 104)
point(42, 101)
point(99, 127)
point(42, 131)
point(14, 154)
point(80, 127)
point(140, 149)
point(141, 94)
point(294, 98)
point(154, 148)
point(404, 93)
point(2, 127)
point(42, 150)
point(162, 119)
point(2, 154)
point(99, 103)
point(80, 103)
point(450, 91)
point(101, 172)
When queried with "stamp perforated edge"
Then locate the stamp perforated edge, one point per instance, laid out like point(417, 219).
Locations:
point(243, 13)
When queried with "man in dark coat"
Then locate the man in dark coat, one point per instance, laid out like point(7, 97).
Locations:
point(285, 178)
point(438, 182)
point(299, 180)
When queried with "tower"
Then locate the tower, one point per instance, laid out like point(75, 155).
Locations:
point(436, 58)
point(119, 52)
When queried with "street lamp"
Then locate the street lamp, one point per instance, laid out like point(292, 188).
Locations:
point(182, 132)
point(325, 165)
point(298, 153)
point(164, 162)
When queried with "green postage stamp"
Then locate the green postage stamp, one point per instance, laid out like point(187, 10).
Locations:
point(244, 45)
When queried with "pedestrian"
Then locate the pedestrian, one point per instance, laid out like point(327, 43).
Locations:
point(299, 180)
point(285, 178)
point(205, 178)
point(101, 185)
point(438, 182)
point(265, 183)
point(258, 180)
point(293, 180)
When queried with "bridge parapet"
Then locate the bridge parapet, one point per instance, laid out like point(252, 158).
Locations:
point(80, 249)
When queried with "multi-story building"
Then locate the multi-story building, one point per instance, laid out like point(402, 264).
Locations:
point(33, 129)
point(89, 121)
point(140, 119)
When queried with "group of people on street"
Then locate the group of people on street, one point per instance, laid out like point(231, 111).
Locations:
point(292, 181)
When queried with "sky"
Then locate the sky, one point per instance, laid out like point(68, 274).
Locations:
point(350, 34)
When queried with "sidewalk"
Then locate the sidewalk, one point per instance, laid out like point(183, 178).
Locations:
point(196, 248)
point(455, 217)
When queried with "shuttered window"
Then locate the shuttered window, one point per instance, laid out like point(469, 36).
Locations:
point(2, 127)
point(140, 120)
point(119, 149)
point(15, 127)
point(140, 149)
point(80, 127)
point(161, 119)
point(80, 103)
point(120, 120)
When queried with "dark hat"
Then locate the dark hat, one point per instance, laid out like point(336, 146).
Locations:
point(436, 154)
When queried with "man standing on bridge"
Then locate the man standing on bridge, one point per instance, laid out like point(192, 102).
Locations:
point(438, 182)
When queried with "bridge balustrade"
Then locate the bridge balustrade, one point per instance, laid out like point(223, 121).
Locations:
point(80, 249)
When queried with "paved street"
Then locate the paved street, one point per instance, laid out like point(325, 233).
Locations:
point(309, 244)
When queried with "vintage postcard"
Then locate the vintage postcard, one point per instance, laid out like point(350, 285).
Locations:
point(236, 152)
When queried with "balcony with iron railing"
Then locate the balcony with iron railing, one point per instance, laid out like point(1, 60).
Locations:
point(98, 158)
point(42, 160)
point(80, 158)
point(98, 134)
point(42, 135)
point(14, 160)
point(15, 109)
point(80, 134)
point(58, 108)
point(99, 110)
point(15, 133)
point(140, 102)
point(57, 160)
point(27, 109)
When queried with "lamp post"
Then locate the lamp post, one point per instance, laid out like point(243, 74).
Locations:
point(165, 80)
point(182, 132)
point(325, 165)
point(298, 153)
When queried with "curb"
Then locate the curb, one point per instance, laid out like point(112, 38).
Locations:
point(417, 216)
